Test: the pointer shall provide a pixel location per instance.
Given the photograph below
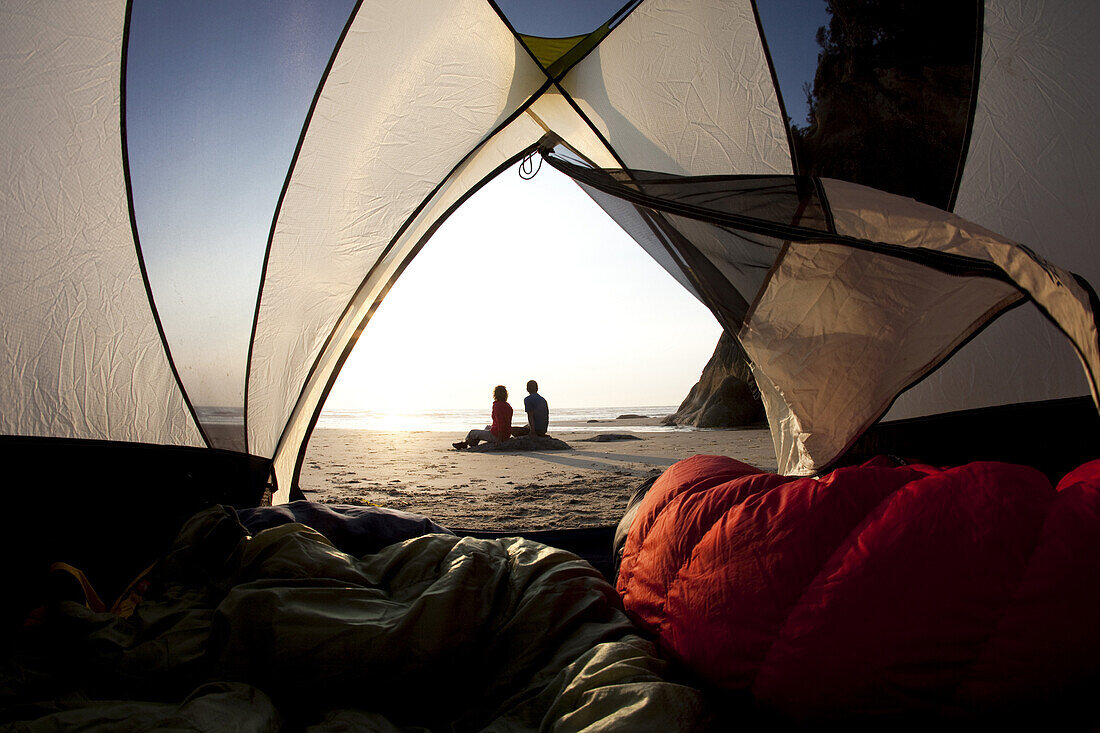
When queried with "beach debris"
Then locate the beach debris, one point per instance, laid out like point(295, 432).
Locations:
point(609, 437)
point(632, 416)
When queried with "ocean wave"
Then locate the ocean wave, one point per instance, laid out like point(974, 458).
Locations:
point(452, 421)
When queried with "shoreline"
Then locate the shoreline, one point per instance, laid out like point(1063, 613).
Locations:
point(419, 471)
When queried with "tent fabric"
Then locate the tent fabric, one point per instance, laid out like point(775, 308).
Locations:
point(554, 114)
point(413, 115)
point(377, 145)
point(867, 294)
point(438, 632)
point(505, 146)
point(710, 105)
point(1024, 177)
point(894, 318)
point(82, 355)
point(660, 47)
point(875, 590)
point(823, 387)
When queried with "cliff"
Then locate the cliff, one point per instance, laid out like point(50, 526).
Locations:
point(725, 395)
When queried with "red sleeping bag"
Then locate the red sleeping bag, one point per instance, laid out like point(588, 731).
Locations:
point(874, 590)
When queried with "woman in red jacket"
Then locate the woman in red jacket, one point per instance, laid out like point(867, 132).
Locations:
point(500, 430)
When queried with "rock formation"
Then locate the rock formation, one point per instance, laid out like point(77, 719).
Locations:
point(609, 437)
point(526, 442)
point(725, 395)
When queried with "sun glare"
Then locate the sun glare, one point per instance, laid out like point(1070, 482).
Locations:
point(529, 280)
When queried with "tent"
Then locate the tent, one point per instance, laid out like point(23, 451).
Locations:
point(856, 306)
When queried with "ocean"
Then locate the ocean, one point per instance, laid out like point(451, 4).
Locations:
point(456, 421)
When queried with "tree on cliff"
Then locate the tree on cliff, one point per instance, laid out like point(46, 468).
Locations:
point(888, 108)
point(891, 97)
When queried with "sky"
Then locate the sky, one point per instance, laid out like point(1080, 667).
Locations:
point(511, 289)
point(216, 97)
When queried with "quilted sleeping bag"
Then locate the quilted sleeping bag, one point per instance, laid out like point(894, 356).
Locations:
point(875, 590)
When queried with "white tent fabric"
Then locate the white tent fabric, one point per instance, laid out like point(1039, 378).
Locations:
point(510, 142)
point(378, 144)
point(839, 332)
point(1029, 171)
point(853, 309)
point(709, 104)
point(80, 355)
point(554, 115)
point(418, 109)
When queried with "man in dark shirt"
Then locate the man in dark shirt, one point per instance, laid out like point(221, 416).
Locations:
point(538, 412)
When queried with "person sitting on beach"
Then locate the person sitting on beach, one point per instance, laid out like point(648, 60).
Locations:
point(538, 412)
point(500, 430)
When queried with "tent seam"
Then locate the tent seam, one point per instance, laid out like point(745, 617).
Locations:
point(948, 263)
point(662, 235)
point(764, 285)
point(933, 364)
point(826, 207)
point(683, 248)
point(975, 83)
point(378, 301)
point(389, 246)
point(279, 205)
point(611, 29)
point(516, 35)
point(943, 261)
point(555, 78)
point(591, 125)
point(795, 168)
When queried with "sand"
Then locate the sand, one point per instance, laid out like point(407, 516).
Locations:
point(588, 485)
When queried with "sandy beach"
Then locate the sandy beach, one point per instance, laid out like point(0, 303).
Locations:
point(588, 485)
